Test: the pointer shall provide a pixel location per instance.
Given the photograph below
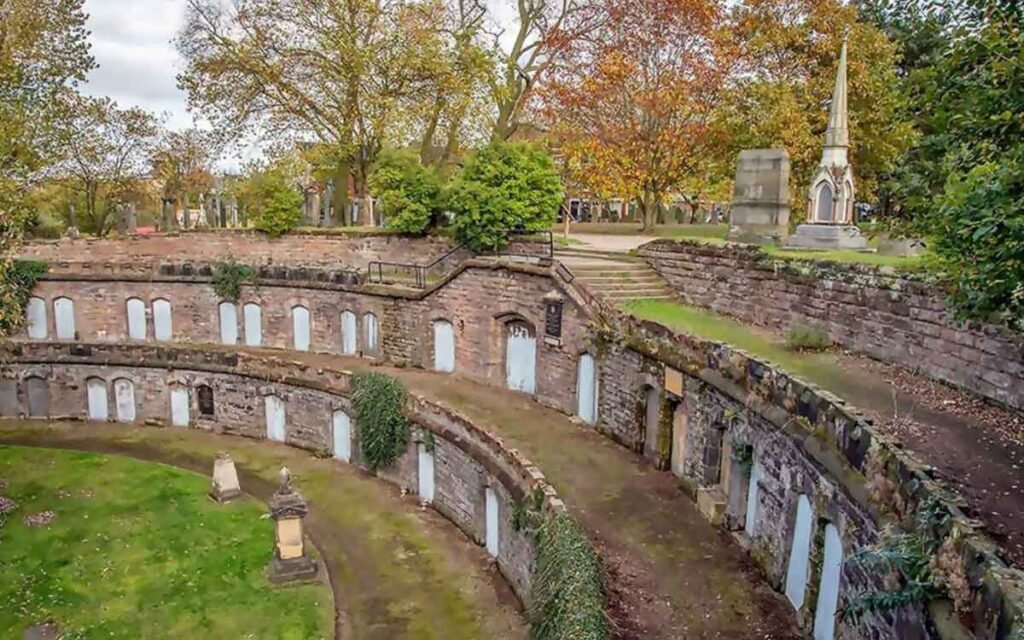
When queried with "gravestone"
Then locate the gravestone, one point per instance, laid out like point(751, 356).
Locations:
point(760, 199)
point(288, 509)
point(225, 479)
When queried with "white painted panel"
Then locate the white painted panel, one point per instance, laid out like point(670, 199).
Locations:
point(371, 331)
point(274, 407)
point(491, 521)
point(426, 473)
point(800, 553)
point(680, 428)
point(96, 392)
point(828, 589)
point(586, 389)
point(300, 328)
point(35, 317)
point(228, 323)
point(444, 346)
point(163, 329)
point(64, 317)
point(521, 358)
point(124, 400)
point(752, 497)
point(342, 429)
point(349, 335)
point(136, 311)
point(652, 417)
point(181, 410)
point(253, 316)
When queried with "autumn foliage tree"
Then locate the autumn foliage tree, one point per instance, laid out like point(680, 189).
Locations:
point(632, 106)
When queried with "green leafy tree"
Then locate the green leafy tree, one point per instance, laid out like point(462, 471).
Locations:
point(283, 210)
point(407, 192)
point(505, 187)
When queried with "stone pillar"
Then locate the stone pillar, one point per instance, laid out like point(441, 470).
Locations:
point(287, 509)
point(760, 197)
point(225, 479)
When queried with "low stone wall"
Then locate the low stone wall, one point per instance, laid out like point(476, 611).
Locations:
point(467, 459)
point(307, 249)
point(888, 316)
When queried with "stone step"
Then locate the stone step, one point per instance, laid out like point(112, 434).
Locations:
point(605, 270)
point(632, 289)
point(578, 252)
point(635, 278)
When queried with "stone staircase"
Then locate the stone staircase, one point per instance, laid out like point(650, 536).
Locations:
point(616, 277)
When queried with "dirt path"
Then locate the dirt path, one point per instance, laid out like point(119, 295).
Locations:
point(397, 571)
point(675, 575)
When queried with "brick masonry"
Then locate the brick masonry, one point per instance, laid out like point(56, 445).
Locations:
point(467, 460)
point(889, 316)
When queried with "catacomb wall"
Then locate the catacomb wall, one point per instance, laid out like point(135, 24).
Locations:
point(888, 316)
point(467, 460)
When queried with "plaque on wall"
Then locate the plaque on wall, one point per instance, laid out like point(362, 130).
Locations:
point(553, 319)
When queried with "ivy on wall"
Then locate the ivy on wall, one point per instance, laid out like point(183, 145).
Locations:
point(383, 428)
point(229, 276)
point(19, 277)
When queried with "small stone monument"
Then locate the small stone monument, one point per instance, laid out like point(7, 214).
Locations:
point(830, 217)
point(225, 479)
point(287, 508)
point(760, 197)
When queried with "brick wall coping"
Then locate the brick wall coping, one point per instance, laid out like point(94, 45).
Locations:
point(839, 438)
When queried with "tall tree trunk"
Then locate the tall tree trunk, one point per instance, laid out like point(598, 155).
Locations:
point(342, 216)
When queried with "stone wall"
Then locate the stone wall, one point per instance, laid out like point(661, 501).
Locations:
point(307, 249)
point(888, 316)
point(467, 460)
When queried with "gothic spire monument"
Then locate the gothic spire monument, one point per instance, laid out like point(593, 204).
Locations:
point(830, 217)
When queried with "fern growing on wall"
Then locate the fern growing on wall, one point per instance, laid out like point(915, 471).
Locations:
point(229, 276)
point(383, 428)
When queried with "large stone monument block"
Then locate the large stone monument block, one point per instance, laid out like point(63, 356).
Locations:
point(760, 199)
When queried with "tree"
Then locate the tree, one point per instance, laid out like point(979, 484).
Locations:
point(503, 188)
point(283, 210)
point(633, 106)
point(105, 152)
point(407, 192)
point(778, 98)
point(182, 161)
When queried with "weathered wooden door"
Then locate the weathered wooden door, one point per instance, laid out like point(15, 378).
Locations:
point(521, 358)
point(163, 329)
point(228, 322)
point(444, 346)
point(800, 553)
point(680, 425)
point(124, 400)
point(828, 589)
point(96, 393)
point(349, 334)
point(426, 472)
point(274, 407)
point(752, 497)
point(38, 392)
point(491, 521)
point(136, 312)
point(64, 318)
point(652, 418)
point(181, 410)
point(586, 389)
point(35, 315)
point(253, 317)
point(342, 429)
point(300, 328)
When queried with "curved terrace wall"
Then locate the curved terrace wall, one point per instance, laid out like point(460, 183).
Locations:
point(692, 407)
point(467, 460)
point(889, 316)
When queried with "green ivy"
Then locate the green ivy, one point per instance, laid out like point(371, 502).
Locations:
point(383, 429)
point(19, 278)
point(742, 454)
point(229, 276)
point(568, 584)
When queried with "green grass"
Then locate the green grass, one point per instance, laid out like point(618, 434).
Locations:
point(902, 263)
point(819, 368)
point(137, 550)
point(565, 242)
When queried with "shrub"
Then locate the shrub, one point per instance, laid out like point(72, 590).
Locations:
point(380, 418)
point(505, 187)
point(283, 211)
point(17, 280)
point(407, 192)
point(806, 338)
point(229, 276)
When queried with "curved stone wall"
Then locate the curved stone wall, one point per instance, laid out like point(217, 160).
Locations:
point(823, 480)
point(226, 393)
point(888, 316)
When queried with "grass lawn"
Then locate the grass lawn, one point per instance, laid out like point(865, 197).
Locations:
point(819, 368)
point(137, 550)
